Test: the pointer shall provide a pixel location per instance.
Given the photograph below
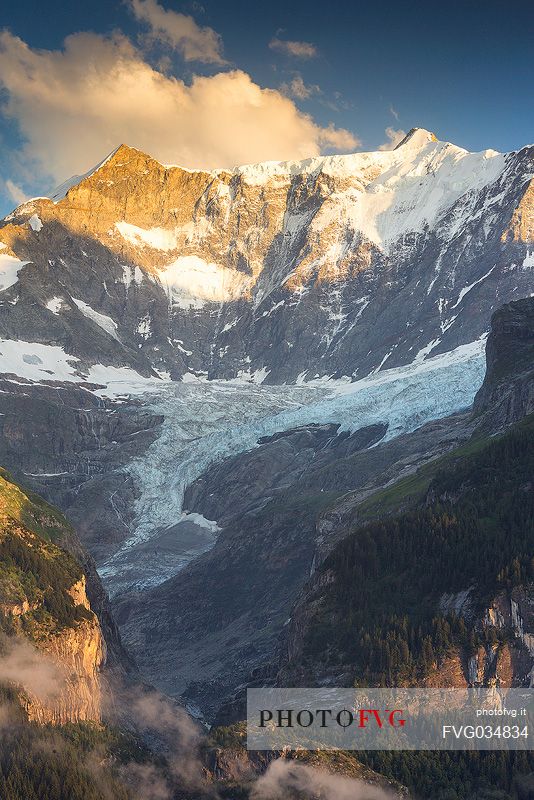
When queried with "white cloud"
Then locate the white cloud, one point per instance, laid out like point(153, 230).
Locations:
point(76, 104)
point(287, 778)
point(394, 113)
point(15, 192)
point(332, 138)
point(394, 137)
point(298, 89)
point(294, 49)
point(179, 31)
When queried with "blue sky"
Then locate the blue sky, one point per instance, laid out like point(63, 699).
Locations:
point(342, 73)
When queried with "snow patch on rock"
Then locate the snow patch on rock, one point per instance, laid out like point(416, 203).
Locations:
point(157, 238)
point(9, 270)
point(36, 362)
point(467, 289)
point(102, 320)
point(200, 520)
point(35, 223)
point(131, 275)
point(191, 281)
point(55, 304)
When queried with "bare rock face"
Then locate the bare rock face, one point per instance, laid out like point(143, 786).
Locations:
point(507, 394)
point(69, 659)
point(79, 654)
point(330, 266)
point(69, 445)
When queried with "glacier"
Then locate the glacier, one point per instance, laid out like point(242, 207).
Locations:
point(207, 421)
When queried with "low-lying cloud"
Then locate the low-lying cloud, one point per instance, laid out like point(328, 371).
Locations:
point(285, 779)
point(173, 735)
point(180, 741)
point(25, 667)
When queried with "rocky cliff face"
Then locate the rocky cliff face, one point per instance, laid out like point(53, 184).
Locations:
point(507, 393)
point(331, 266)
point(503, 656)
point(69, 445)
point(78, 653)
point(66, 445)
point(52, 644)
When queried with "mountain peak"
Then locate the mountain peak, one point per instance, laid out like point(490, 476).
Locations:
point(123, 151)
point(417, 137)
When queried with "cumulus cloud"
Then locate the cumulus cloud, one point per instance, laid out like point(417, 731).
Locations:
point(74, 105)
point(294, 49)
point(338, 139)
point(394, 137)
point(298, 89)
point(179, 31)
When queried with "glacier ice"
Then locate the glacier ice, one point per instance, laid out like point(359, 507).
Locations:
point(205, 422)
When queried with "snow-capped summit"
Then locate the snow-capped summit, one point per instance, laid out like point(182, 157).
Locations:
point(417, 137)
